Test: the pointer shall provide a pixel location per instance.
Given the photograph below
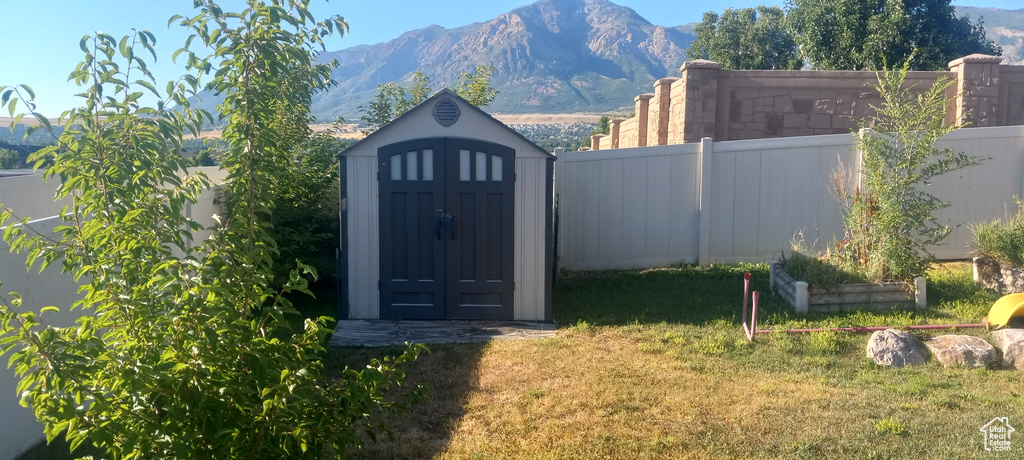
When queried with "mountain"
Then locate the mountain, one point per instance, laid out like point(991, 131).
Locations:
point(551, 56)
point(554, 56)
point(1005, 27)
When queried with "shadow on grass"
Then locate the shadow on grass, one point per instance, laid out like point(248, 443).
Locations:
point(425, 429)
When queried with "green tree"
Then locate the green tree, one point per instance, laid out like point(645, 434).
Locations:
point(9, 159)
point(183, 351)
point(890, 220)
point(384, 107)
point(603, 125)
point(392, 100)
point(419, 92)
point(204, 158)
point(871, 34)
point(476, 87)
point(751, 38)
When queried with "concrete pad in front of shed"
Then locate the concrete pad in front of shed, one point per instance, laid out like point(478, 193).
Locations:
point(376, 333)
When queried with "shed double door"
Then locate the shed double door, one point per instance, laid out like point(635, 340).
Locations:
point(446, 229)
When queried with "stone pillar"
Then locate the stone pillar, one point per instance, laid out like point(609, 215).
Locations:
point(595, 141)
point(699, 99)
point(660, 109)
point(613, 130)
point(643, 103)
point(977, 88)
point(676, 112)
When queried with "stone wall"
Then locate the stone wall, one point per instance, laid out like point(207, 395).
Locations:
point(755, 104)
point(1011, 93)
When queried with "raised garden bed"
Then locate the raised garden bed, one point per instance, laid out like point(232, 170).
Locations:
point(807, 299)
point(1000, 277)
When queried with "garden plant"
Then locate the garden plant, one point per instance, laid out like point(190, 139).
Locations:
point(184, 351)
point(888, 213)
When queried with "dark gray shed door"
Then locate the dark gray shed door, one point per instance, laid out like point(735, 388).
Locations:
point(446, 229)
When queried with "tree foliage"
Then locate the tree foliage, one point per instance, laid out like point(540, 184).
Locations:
point(9, 159)
point(393, 100)
point(476, 87)
point(746, 39)
point(183, 351)
point(871, 34)
point(890, 219)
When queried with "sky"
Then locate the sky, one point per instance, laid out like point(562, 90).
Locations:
point(39, 38)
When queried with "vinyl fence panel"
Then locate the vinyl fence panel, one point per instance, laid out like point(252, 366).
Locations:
point(642, 207)
point(628, 208)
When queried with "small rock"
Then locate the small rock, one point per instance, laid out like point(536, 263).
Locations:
point(962, 350)
point(1011, 343)
point(896, 348)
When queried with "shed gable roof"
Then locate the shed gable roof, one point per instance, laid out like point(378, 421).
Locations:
point(424, 113)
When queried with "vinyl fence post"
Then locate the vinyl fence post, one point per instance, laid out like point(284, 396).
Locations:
point(920, 292)
point(704, 228)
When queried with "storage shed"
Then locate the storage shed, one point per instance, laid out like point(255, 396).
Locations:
point(446, 214)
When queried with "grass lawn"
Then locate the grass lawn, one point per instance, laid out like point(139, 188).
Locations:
point(653, 364)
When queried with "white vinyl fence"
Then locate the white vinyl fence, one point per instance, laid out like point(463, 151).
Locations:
point(30, 196)
point(743, 201)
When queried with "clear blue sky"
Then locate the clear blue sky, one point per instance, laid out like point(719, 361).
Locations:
point(40, 37)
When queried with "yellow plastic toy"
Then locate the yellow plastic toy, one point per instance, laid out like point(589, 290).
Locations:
point(1007, 307)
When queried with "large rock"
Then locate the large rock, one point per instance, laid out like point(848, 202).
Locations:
point(1011, 343)
point(962, 351)
point(896, 348)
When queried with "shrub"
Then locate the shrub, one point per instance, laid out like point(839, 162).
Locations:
point(890, 217)
point(183, 351)
point(1002, 240)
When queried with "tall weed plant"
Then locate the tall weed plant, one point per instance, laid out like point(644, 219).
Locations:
point(1001, 239)
point(888, 213)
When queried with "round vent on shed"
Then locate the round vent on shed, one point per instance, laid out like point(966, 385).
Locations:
point(446, 112)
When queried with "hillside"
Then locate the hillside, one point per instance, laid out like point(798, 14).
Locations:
point(551, 56)
point(1005, 27)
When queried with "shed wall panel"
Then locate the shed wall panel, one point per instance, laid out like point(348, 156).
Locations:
point(531, 213)
point(364, 237)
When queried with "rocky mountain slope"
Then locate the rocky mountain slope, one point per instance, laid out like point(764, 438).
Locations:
point(555, 56)
point(1005, 27)
point(551, 56)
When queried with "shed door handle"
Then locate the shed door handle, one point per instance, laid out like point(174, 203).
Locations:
point(440, 222)
point(454, 226)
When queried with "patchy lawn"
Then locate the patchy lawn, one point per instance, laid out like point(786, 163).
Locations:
point(653, 364)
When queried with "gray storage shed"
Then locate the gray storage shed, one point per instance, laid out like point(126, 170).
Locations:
point(446, 214)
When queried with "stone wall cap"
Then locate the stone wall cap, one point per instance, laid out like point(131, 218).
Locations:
point(976, 59)
point(644, 97)
point(617, 120)
point(666, 81)
point(700, 64)
point(598, 136)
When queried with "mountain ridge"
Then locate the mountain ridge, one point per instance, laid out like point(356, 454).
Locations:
point(550, 56)
point(553, 56)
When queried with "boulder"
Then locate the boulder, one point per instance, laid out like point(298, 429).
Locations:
point(1011, 343)
point(896, 348)
point(962, 350)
